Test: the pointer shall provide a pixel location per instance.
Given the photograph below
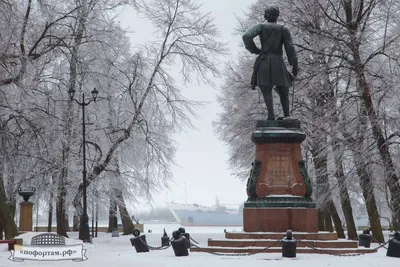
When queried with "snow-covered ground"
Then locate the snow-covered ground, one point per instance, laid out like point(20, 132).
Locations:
point(117, 251)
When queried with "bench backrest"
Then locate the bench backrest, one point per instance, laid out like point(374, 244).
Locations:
point(48, 239)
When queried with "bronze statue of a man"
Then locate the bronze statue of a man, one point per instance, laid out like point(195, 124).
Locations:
point(269, 68)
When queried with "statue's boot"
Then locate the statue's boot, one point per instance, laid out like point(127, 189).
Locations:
point(283, 93)
point(267, 95)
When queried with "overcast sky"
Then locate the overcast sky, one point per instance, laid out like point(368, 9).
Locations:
point(202, 157)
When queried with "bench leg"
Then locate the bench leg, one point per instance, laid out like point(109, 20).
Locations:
point(10, 246)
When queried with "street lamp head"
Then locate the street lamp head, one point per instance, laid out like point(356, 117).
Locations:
point(94, 94)
point(71, 93)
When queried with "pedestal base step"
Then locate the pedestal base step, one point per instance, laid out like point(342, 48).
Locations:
point(331, 251)
point(240, 243)
point(279, 235)
point(321, 242)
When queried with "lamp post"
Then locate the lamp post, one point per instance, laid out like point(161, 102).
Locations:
point(84, 233)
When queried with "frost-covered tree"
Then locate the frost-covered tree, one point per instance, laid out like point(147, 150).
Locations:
point(130, 148)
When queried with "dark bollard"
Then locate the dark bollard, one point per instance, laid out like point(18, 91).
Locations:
point(186, 235)
point(165, 240)
point(394, 246)
point(176, 234)
point(289, 245)
point(364, 239)
point(140, 244)
point(180, 246)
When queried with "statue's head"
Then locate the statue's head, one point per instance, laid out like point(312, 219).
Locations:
point(271, 13)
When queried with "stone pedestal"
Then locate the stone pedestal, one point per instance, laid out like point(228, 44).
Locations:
point(280, 219)
point(279, 189)
point(25, 217)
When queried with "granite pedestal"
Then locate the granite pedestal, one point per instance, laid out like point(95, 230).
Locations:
point(279, 189)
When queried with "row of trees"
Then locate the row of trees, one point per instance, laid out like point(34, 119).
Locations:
point(346, 98)
point(50, 47)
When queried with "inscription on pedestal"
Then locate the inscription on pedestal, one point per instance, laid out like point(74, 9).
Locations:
point(278, 173)
point(278, 176)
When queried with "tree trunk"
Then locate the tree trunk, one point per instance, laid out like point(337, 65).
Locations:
point(60, 217)
point(1, 230)
point(372, 210)
point(63, 178)
point(336, 220)
point(11, 196)
point(51, 206)
point(127, 223)
point(112, 214)
point(10, 191)
point(392, 181)
point(322, 189)
point(324, 221)
point(328, 222)
point(321, 220)
point(13, 207)
point(319, 151)
point(75, 222)
point(366, 180)
point(9, 226)
point(325, 105)
point(67, 223)
point(60, 204)
point(344, 193)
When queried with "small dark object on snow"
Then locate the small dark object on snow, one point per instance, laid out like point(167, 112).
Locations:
point(140, 244)
point(180, 246)
point(165, 239)
point(394, 246)
point(364, 239)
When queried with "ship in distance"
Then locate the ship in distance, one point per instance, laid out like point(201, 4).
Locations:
point(197, 215)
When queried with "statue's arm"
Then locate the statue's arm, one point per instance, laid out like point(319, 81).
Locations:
point(289, 47)
point(248, 39)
